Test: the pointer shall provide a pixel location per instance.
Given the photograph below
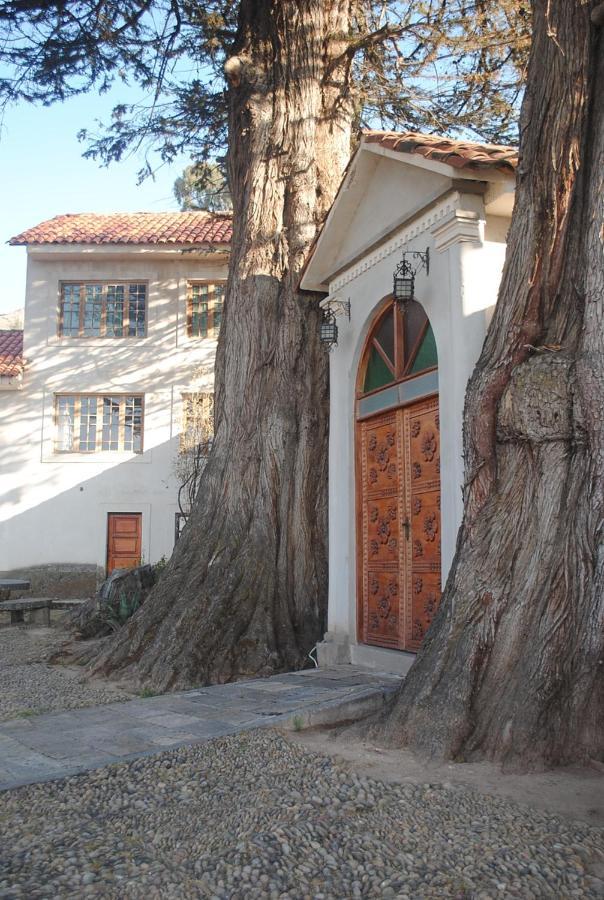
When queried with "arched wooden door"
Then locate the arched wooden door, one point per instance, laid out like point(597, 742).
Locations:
point(398, 481)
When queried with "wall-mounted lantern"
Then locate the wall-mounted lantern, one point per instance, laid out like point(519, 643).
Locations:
point(328, 332)
point(404, 275)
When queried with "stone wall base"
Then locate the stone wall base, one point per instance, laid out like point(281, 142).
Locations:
point(336, 649)
point(62, 580)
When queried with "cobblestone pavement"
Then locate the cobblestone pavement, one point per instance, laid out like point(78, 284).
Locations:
point(28, 686)
point(52, 745)
point(254, 816)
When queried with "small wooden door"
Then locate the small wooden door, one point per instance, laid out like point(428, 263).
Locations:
point(124, 540)
point(399, 525)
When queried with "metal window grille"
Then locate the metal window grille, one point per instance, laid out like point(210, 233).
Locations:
point(90, 423)
point(204, 313)
point(100, 309)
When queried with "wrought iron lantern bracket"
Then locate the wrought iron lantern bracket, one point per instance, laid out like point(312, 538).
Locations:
point(331, 308)
point(403, 286)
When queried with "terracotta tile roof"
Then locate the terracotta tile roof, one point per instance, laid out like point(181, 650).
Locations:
point(11, 353)
point(459, 154)
point(194, 227)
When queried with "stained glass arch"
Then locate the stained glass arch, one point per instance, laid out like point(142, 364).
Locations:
point(401, 344)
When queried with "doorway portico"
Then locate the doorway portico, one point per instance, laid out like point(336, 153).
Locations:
point(397, 385)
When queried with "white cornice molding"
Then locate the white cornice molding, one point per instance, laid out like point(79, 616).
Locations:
point(459, 225)
point(440, 213)
point(211, 252)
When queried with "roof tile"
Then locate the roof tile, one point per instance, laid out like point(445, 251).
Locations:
point(459, 154)
point(11, 353)
point(191, 227)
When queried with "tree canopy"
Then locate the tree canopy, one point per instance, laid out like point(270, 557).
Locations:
point(442, 65)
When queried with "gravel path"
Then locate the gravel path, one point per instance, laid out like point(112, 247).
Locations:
point(253, 815)
point(29, 686)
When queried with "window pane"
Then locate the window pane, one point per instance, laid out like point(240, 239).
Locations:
point(133, 424)
point(93, 304)
point(87, 424)
point(114, 319)
point(426, 356)
point(71, 310)
point(65, 423)
point(414, 321)
point(199, 310)
point(378, 374)
point(136, 309)
point(218, 304)
point(385, 335)
point(111, 423)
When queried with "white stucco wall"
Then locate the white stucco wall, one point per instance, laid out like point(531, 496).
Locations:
point(458, 296)
point(53, 508)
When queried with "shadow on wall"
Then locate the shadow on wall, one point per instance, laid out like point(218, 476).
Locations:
point(60, 544)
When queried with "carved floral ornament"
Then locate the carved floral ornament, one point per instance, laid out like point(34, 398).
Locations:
point(431, 605)
point(417, 632)
point(428, 446)
point(430, 526)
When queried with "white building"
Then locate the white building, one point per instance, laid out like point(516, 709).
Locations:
point(121, 318)
point(398, 378)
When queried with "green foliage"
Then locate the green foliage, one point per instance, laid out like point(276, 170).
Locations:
point(147, 692)
point(451, 66)
point(29, 713)
point(117, 615)
point(159, 566)
point(203, 186)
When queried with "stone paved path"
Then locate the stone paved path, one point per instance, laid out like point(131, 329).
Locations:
point(54, 745)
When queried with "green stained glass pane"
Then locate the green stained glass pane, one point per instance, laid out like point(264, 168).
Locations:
point(385, 335)
point(426, 356)
point(378, 374)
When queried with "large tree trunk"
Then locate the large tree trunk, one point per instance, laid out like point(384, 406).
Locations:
point(512, 668)
point(245, 590)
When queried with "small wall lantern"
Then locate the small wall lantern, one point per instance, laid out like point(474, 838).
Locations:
point(404, 276)
point(328, 331)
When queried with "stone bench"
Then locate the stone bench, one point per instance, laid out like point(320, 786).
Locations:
point(39, 610)
point(67, 604)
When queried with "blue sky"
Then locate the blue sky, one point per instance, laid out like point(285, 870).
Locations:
point(43, 174)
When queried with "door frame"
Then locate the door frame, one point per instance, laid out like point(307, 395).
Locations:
point(100, 519)
point(358, 423)
point(358, 420)
point(119, 512)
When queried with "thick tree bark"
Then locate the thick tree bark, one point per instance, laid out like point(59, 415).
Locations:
point(245, 590)
point(513, 666)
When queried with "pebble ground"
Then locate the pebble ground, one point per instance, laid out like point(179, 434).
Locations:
point(29, 686)
point(255, 816)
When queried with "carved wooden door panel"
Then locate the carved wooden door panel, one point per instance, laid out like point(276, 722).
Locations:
point(422, 478)
point(399, 525)
point(381, 466)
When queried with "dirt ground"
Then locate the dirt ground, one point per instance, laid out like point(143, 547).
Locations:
point(573, 792)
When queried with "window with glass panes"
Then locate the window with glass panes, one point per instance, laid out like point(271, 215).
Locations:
point(103, 309)
point(205, 300)
point(93, 423)
point(401, 345)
